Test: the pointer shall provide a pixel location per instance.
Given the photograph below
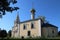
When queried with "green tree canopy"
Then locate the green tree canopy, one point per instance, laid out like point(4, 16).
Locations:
point(4, 6)
point(3, 33)
point(9, 33)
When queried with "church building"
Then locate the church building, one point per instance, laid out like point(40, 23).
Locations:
point(33, 28)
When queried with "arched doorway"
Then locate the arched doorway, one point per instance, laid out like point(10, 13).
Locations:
point(29, 33)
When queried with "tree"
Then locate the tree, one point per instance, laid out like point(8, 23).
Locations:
point(3, 33)
point(0, 33)
point(4, 6)
point(59, 33)
point(9, 33)
point(43, 19)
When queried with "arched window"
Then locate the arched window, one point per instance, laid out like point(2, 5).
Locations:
point(32, 25)
point(24, 27)
point(53, 31)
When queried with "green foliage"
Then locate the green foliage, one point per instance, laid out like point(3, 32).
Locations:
point(59, 33)
point(9, 33)
point(37, 38)
point(5, 6)
point(3, 33)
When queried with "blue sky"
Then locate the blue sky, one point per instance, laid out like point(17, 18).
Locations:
point(48, 8)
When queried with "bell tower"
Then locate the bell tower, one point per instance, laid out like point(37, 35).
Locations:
point(17, 26)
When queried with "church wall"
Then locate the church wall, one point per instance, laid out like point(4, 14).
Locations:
point(49, 31)
point(34, 31)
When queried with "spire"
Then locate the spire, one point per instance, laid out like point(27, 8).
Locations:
point(17, 19)
point(32, 12)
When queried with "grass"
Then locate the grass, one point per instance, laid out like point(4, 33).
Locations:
point(31, 38)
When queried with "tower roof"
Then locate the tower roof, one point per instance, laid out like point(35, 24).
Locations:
point(17, 19)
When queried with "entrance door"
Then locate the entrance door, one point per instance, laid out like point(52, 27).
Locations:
point(29, 33)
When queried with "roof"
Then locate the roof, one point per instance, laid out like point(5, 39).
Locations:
point(30, 20)
point(48, 25)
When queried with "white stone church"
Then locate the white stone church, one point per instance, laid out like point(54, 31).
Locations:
point(35, 27)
